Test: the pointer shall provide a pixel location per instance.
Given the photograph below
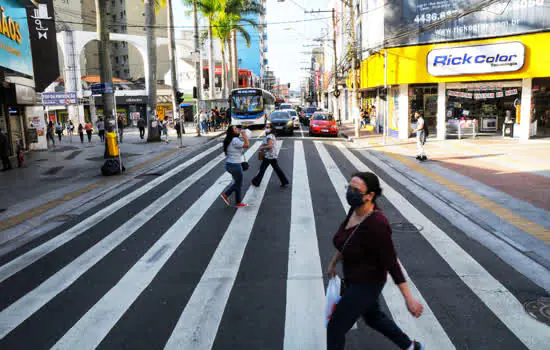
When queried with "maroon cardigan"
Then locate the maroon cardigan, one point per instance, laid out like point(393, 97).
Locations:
point(370, 253)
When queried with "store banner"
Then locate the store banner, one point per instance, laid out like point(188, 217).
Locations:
point(15, 47)
point(41, 22)
point(477, 59)
point(428, 21)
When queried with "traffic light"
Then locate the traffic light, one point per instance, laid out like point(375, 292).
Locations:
point(179, 97)
point(195, 92)
point(289, 85)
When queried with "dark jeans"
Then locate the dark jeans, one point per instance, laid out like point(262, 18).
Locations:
point(81, 134)
point(362, 301)
point(142, 133)
point(89, 134)
point(6, 162)
point(59, 134)
point(236, 170)
point(101, 134)
point(256, 181)
point(120, 134)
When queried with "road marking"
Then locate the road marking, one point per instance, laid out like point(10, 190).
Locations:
point(302, 131)
point(90, 330)
point(199, 322)
point(426, 328)
point(305, 299)
point(42, 250)
point(24, 307)
point(498, 299)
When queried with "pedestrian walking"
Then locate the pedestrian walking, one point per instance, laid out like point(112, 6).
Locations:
point(421, 135)
point(233, 148)
point(364, 245)
point(5, 151)
point(269, 153)
point(202, 118)
point(100, 124)
point(120, 128)
point(50, 134)
point(81, 132)
point(59, 130)
point(70, 129)
point(141, 125)
point(89, 128)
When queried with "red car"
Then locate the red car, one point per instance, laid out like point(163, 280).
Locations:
point(323, 123)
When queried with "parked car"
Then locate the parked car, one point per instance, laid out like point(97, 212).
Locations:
point(282, 123)
point(294, 116)
point(323, 123)
point(309, 113)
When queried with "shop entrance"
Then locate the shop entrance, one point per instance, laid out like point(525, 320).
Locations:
point(479, 109)
point(541, 112)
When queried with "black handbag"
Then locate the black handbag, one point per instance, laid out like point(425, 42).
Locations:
point(245, 166)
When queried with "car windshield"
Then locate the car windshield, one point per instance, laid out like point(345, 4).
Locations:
point(280, 115)
point(325, 117)
point(247, 103)
point(285, 106)
point(293, 113)
point(311, 110)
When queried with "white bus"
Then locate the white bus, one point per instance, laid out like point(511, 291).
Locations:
point(251, 106)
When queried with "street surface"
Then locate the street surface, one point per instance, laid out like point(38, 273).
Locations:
point(166, 264)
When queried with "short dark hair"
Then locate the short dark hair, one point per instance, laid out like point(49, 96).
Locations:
point(371, 181)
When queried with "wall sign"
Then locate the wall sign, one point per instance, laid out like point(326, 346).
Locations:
point(15, 48)
point(479, 59)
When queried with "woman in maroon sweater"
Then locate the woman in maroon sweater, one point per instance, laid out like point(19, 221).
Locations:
point(365, 247)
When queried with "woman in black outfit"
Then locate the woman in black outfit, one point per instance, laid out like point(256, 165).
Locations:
point(365, 247)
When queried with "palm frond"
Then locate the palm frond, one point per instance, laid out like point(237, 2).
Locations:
point(241, 30)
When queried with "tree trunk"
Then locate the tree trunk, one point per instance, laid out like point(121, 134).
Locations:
point(235, 61)
point(150, 20)
point(211, 62)
point(224, 75)
point(230, 61)
point(173, 67)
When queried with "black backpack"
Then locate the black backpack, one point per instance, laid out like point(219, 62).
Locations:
point(426, 130)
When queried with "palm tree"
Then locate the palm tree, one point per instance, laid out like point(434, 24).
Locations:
point(152, 8)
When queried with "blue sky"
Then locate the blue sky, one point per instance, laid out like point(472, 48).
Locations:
point(285, 41)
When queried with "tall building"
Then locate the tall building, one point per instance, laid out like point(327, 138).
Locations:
point(254, 58)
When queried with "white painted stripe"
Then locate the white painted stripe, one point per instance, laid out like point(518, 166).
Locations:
point(305, 299)
point(499, 300)
point(24, 307)
point(90, 330)
point(37, 253)
point(427, 328)
point(199, 322)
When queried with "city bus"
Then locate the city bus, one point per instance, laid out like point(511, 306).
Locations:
point(251, 106)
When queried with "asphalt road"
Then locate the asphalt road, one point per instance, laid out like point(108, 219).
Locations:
point(166, 264)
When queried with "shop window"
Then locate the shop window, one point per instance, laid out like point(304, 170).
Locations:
point(541, 108)
point(423, 99)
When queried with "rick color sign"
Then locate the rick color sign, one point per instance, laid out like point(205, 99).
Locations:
point(479, 59)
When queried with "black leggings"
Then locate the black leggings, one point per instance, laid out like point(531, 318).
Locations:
point(362, 300)
point(275, 164)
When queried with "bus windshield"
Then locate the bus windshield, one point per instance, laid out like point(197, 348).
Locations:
point(243, 104)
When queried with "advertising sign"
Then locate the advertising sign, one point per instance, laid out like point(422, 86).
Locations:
point(479, 59)
point(15, 47)
point(407, 20)
point(58, 98)
point(41, 19)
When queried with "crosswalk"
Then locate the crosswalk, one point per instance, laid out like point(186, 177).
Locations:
point(169, 266)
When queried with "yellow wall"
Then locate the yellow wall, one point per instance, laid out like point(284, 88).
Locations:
point(407, 65)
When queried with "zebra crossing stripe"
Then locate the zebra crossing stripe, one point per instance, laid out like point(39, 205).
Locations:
point(24, 307)
point(304, 319)
point(426, 328)
point(90, 330)
point(199, 322)
point(498, 299)
point(42, 250)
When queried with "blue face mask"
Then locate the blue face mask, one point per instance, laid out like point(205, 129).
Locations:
point(354, 198)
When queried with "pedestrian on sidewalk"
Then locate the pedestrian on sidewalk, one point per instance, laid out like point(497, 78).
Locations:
point(59, 130)
point(50, 134)
point(233, 149)
point(120, 128)
point(177, 126)
point(364, 245)
point(70, 129)
point(100, 124)
point(269, 153)
point(89, 128)
point(141, 125)
point(5, 151)
point(202, 119)
point(81, 132)
point(421, 134)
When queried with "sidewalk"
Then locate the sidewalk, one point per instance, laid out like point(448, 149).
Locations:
point(71, 170)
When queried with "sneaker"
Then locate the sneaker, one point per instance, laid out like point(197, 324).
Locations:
point(285, 185)
point(225, 199)
point(424, 158)
point(418, 345)
point(418, 158)
point(241, 205)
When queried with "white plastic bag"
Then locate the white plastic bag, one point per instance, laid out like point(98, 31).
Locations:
point(332, 297)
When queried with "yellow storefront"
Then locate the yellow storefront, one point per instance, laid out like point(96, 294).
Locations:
point(505, 89)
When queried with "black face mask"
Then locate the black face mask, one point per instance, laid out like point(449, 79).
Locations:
point(354, 198)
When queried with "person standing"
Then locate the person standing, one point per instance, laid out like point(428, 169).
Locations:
point(59, 130)
point(70, 128)
point(50, 133)
point(100, 124)
point(5, 151)
point(81, 132)
point(233, 149)
point(421, 134)
point(177, 126)
point(141, 125)
point(202, 118)
point(365, 246)
point(89, 128)
point(270, 154)
point(120, 128)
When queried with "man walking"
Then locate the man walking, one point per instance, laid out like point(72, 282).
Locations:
point(120, 128)
point(421, 134)
point(5, 151)
point(141, 125)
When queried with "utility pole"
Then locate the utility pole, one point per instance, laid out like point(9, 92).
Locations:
point(150, 19)
point(198, 73)
point(351, 4)
point(173, 68)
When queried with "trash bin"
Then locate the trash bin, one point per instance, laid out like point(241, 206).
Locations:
point(508, 129)
point(112, 145)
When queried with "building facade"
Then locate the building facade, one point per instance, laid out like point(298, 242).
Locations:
point(254, 58)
